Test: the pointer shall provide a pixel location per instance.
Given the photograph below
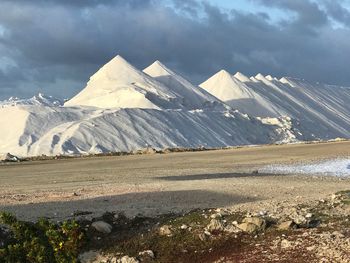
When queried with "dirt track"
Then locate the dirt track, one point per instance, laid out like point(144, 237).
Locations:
point(159, 183)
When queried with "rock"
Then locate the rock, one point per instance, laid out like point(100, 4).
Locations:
point(165, 230)
point(147, 254)
point(8, 157)
point(88, 256)
point(248, 227)
point(337, 234)
point(232, 229)
point(263, 213)
point(252, 224)
point(286, 225)
point(202, 237)
point(298, 219)
point(184, 227)
point(215, 225)
point(311, 248)
point(313, 223)
point(285, 244)
point(222, 212)
point(148, 150)
point(216, 215)
point(308, 215)
point(334, 196)
point(207, 233)
point(102, 227)
point(127, 259)
point(259, 222)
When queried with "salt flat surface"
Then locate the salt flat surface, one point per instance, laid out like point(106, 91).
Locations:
point(334, 167)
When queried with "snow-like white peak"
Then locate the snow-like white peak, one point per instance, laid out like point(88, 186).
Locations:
point(241, 77)
point(39, 99)
point(13, 98)
point(253, 79)
point(269, 77)
point(119, 84)
point(285, 80)
point(225, 87)
point(157, 69)
point(193, 97)
point(260, 77)
point(42, 99)
point(238, 94)
point(223, 73)
point(221, 76)
point(117, 69)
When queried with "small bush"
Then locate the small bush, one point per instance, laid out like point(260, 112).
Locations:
point(42, 241)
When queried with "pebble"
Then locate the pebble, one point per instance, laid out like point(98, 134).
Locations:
point(165, 230)
point(147, 253)
point(184, 227)
point(102, 227)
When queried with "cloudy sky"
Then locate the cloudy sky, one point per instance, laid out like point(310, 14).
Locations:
point(53, 46)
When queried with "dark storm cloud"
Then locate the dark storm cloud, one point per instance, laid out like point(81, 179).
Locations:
point(54, 46)
point(338, 12)
point(309, 14)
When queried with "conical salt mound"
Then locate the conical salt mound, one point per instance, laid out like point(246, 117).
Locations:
point(225, 86)
point(269, 77)
point(238, 94)
point(193, 97)
point(158, 69)
point(241, 77)
point(261, 77)
point(117, 69)
point(119, 84)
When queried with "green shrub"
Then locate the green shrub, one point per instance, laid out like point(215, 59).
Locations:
point(42, 241)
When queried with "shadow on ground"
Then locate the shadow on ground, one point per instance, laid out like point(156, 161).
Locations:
point(211, 176)
point(145, 203)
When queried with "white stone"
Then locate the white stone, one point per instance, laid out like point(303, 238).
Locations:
point(285, 243)
point(165, 230)
point(102, 227)
point(147, 253)
point(309, 215)
point(127, 259)
point(8, 157)
point(215, 225)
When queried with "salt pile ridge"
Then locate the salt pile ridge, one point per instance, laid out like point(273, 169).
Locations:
point(318, 111)
point(124, 109)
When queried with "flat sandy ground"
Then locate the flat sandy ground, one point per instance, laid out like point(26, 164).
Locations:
point(161, 183)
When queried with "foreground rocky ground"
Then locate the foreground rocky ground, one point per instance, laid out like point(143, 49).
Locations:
point(313, 232)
